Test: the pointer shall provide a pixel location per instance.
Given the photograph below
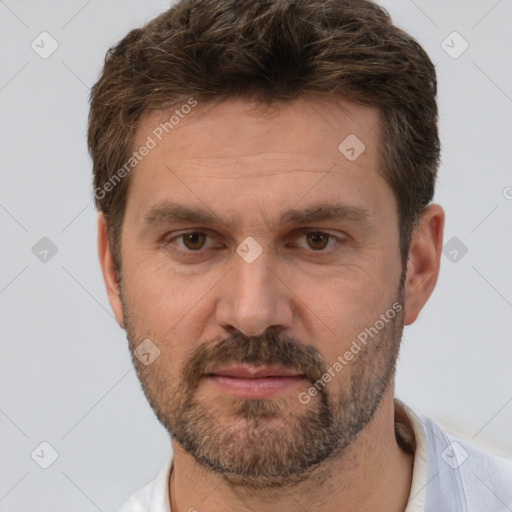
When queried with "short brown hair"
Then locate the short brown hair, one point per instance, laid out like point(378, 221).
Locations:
point(272, 51)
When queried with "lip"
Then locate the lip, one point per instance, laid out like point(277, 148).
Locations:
point(250, 372)
point(256, 383)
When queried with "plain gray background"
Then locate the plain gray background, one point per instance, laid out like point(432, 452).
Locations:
point(66, 376)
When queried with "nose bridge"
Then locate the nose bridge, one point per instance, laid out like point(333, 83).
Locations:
point(252, 271)
point(252, 298)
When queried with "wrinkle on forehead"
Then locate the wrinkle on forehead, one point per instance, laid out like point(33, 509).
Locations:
point(254, 165)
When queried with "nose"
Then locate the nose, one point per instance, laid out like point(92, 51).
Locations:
point(254, 296)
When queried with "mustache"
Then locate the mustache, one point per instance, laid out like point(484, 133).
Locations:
point(270, 348)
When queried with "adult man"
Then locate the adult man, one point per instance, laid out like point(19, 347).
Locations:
point(264, 172)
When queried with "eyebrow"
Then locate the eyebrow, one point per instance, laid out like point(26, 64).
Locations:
point(168, 212)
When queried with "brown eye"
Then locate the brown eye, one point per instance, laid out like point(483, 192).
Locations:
point(317, 240)
point(194, 241)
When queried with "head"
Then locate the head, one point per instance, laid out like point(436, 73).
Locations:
point(263, 172)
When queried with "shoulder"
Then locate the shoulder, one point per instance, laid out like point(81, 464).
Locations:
point(480, 481)
point(154, 496)
point(140, 501)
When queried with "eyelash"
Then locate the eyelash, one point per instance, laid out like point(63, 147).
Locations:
point(188, 252)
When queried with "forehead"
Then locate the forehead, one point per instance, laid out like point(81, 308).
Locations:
point(238, 127)
point(220, 152)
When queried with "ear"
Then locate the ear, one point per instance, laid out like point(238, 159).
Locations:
point(109, 271)
point(424, 261)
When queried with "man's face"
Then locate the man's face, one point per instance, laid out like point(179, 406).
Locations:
point(296, 295)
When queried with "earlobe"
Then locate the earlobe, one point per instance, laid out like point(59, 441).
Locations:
point(424, 261)
point(109, 271)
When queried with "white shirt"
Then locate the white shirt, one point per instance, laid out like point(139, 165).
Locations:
point(449, 475)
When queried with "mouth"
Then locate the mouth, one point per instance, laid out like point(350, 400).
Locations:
point(254, 382)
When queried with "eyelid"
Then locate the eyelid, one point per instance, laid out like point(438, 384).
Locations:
point(167, 240)
point(304, 231)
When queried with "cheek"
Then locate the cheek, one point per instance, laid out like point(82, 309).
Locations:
point(169, 308)
point(335, 310)
point(161, 291)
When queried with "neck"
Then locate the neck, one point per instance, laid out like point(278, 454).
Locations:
point(373, 473)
